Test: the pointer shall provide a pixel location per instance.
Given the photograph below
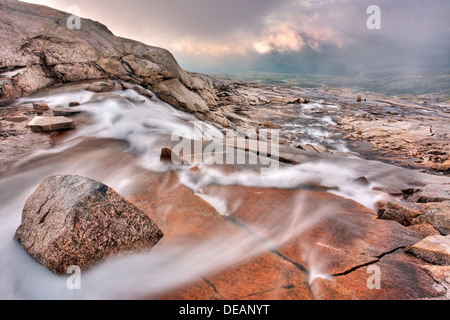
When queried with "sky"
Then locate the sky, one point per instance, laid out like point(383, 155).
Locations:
point(286, 36)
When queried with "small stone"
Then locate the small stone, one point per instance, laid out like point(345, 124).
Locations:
point(74, 104)
point(434, 249)
point(391, 191)
point(40, 107)
point(166, 155)
point(359, 98)
point(143, 92)
point(436, 214)
point(49, 124)
point(65, 112)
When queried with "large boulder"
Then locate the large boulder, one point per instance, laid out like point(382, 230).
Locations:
point(71, 220)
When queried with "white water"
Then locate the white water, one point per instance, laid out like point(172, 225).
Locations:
point(145, 126)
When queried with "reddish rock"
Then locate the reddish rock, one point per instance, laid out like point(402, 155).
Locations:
point(40, 107)
point(402, 278)
point(318, 230)
point(434, 249)
point(166, 155)
point(328, 289)
point(437, 215)
point(49, 124)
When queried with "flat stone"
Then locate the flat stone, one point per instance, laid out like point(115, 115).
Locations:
point(49, 124)
point(438, 215)
point(434, 249)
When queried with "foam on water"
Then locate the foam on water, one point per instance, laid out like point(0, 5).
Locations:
point(143, 124)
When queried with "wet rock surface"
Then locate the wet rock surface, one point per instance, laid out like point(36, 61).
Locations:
point(315, 239)
point(434, 249)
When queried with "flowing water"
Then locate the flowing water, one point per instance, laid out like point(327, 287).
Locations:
point(144, 126)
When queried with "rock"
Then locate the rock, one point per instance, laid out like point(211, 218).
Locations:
point(54, 54)
point(361, 181)
point(425, 230)
point(326, 289)
point(166, 155)
point(142, 67)
point(48, 124)
point(65, 112)
point(71, 220)
point(445, 166)
point(194, 169)
point(359, 98)
point(440, 274)
point(269, 125)
point(74, 104)
point(434, 249)
point(402, 278)
point(143, 92)
point(267, 277)
point(40, 107)
point(401, 212)
point(174, 92)
point(437, 215)
point(391, 191)
point(101, 87)
point(431, 193)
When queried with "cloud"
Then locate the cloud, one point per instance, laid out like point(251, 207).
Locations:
point(217, 35)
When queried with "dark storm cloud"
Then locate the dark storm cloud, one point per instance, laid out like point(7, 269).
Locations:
point(326, 36)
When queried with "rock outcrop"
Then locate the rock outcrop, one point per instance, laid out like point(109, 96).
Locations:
point(71, 220)
point(39, 50)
